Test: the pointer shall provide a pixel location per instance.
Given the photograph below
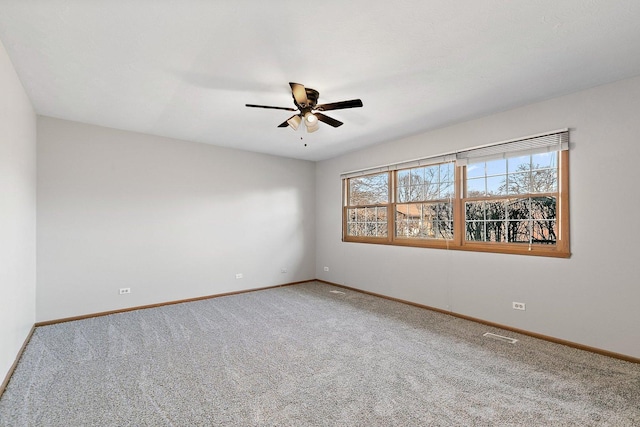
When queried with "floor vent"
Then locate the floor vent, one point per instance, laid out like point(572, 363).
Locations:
point(336, 292)
point(500, 338)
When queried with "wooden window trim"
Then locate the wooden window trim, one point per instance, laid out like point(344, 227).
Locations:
point(561, 249)
point(345, 207)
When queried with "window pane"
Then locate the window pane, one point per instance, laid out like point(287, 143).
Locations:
point(543, 208)
point(518, 231)
point(544, 232)
point(417, 193)
point(410, 193)
point(403, 177)
point(416, 177)
point(475, 170)
point(496, 167)
point(410, 185)
point(424, 220)
point(426, 183)
point(369, 190)
point(447, 172)
point(496, 185)
point(474, 211)
point(408, 217)
point(431, 174)
point(402, 228)
point(518, 209)
point(443, 221)
point(520, 178)
point(403, 194)
point(495, 210)
point(367, 222)
point(544, 181)
point(383, 229)
point(402, 210)
point(544, 161)
point(519, 164)
point(519, 183)
point(381, 214)
point(372, 229)
point(475, 231)
point(444, 211)
point(447, 190)
point(445, 229)
point(432, 191)
point(495, 231)
point(351, 229)
point(351, 215)
point(476, 187)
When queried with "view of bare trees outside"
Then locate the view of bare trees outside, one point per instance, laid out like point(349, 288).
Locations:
point(529, 217)
point(369, 190)
point(520, 220)
point(425, 209)
point(371, 194)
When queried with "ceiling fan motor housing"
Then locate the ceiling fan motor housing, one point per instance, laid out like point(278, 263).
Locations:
point(312, 96)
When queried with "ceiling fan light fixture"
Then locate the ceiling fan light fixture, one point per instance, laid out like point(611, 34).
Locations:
point(310, 119)
point(294, 122)
point(312, 128)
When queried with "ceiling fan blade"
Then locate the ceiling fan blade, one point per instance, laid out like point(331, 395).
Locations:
point(328, 120)
point(352, 103)
point(284, 124)
point(270, 107)
point(299, 94)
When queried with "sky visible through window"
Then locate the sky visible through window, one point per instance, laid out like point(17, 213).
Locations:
point(515, 175)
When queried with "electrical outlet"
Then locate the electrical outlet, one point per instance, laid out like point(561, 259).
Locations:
point(125, 291)
point(239, 276)
point(519, 306)
point(326, 269)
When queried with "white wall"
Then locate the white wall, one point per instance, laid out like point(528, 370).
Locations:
point(169, 219)
point(17, 214)
point(591, 298)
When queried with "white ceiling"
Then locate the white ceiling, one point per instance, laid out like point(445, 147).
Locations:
point(185, 68)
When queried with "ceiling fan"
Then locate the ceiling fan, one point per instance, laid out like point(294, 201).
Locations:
point(305, 99)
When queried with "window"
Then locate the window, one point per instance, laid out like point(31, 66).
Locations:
point(509, 198)
point(512, 200)
point(367, 212)
point(424, 208)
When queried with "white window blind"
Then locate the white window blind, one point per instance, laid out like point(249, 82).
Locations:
point(543, 143)
point(557, 140)
point(402, 165)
